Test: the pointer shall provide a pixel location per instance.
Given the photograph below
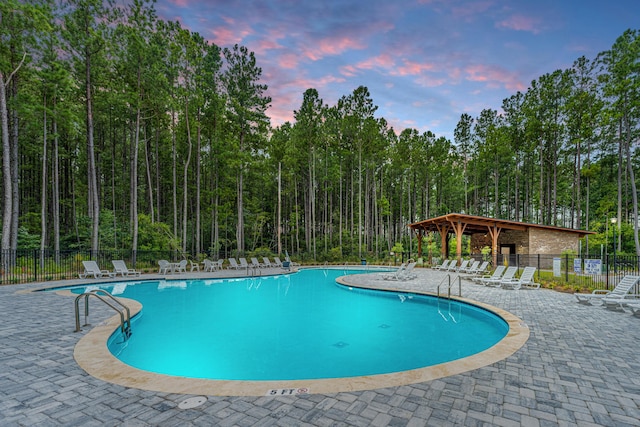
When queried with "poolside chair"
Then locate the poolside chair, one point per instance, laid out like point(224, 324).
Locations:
point(119, 267)
point(255, 263)
point(463, 265)
point(497, 274)
point(509, 274)
point(408, 272)
point(243, 263)
point(266, 262)
point(444, 264)
point(634, 307)
point(91, 269)
point(481, 269)
point(525, 280)
point(291, 263)
point(208, 266)
point(164, 266)
point(218, 265)
point(620, 301)
point(396, 274)
point(277, 262)
point(470, 268)
point(620, 291)
point(194, 265)
point(181, 267)
point(233, 264)
point(453, 266)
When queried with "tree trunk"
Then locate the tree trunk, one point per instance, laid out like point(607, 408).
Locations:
point(91, 158)
point(56, 188)
point(185, 187)
point(43, 189)
point(6, 177)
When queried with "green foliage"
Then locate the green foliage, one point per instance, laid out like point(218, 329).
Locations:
point(156, 235)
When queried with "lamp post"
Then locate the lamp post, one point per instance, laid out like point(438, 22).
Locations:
point(613, 225)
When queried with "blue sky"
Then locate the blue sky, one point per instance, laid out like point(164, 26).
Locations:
point(425, 62)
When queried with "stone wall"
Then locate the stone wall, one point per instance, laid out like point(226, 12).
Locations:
point(552, 242)
point(535, 241)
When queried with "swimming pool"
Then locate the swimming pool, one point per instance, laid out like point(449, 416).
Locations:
point(295, 327)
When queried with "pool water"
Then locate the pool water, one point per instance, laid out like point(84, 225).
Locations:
point(298, 326)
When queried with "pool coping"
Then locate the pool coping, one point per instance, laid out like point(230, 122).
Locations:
point(93, 356)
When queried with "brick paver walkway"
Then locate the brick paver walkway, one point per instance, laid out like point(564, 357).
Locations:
point(581, 366)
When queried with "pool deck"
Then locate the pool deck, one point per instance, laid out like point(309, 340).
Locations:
point(580, 366)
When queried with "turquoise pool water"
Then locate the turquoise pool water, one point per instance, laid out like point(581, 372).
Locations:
point(298, 326)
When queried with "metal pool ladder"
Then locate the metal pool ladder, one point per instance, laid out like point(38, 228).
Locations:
point(111, 301)
point(449, 284)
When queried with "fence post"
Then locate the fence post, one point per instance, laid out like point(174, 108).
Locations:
point(566, 268)
point(607, 270)
point(35, 265)
point(538, 267)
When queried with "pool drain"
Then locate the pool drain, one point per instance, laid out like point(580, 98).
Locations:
point(192, 402)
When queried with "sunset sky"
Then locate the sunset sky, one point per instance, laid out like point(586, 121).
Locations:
point(425, 62)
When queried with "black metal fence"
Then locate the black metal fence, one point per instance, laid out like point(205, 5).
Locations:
point(589, 272)
point(24, 266)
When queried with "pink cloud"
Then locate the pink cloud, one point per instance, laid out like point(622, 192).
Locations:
point(494, 77)
point(411, 68)
point(520, 23)
point(288, 60)
point(383, 61)
point(230, 34)
point(330, 47)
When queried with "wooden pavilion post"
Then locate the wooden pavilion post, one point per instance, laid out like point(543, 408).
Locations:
point(443, 229)
point(459, 228)
point(494, 231)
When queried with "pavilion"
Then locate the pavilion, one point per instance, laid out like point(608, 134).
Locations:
point(503, 236)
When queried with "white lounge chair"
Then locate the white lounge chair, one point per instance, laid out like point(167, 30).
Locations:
point(470, 268)
point(619, 301)
point(634, 306)
point(509, 274)
point(91, 269)
point(463, 266)
point(497, 274)
point(119, 267)
point(266, 262)
point(396, 274)
point(277, 262)
point(443, 266)
point(481, 268)
point(243, 263)
point(453, 266)
point(619, 291)
point(255, 263)
point(233, 264)
point(525, 280)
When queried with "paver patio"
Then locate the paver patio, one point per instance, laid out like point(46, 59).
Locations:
point(580, 366)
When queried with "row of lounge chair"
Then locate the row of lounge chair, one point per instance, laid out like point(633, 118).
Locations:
point(266, 263)
point(617, 299)
point(466, 266)
point(404, 272)
point(504, 277)
point(91, 269)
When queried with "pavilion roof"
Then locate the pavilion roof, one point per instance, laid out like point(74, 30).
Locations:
point(478, 224)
